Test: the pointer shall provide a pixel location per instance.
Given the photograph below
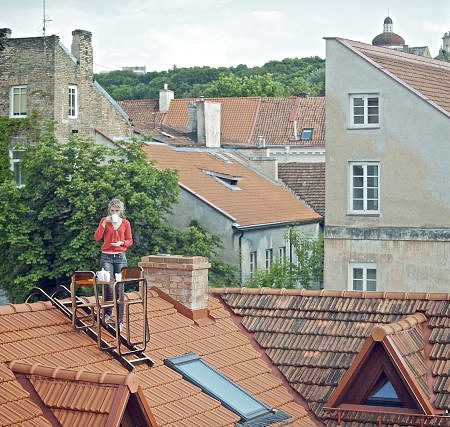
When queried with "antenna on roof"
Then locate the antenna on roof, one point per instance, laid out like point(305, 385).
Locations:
point(44, 24)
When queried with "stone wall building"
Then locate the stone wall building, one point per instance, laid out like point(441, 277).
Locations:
point(39, 74)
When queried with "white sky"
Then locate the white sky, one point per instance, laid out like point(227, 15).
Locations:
point(161, 33)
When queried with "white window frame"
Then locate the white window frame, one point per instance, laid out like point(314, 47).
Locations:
point(12, 94)
point(13, 162)
point(269, 258)
point(282, 254)
point(365, 97)
point(73, 108)
point(364, 266)
point(253, 262)
point(365, 188)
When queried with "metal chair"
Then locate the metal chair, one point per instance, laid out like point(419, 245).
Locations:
point(84, 279)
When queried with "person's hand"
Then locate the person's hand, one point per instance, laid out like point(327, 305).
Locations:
point(105, 220)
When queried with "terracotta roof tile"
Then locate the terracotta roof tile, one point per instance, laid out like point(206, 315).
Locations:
point(314, 336)
point(307, 181)
point(171, 398)
point(427, 76)
point(243, 119)
point(259, 201)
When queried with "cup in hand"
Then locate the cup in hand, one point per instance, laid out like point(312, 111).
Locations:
point(118, 277)
point(115, 218)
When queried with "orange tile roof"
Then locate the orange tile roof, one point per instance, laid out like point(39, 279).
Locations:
point(38, 333)
point(314, 336)
point(243, 119)
point(258, 202)
point(427, 77)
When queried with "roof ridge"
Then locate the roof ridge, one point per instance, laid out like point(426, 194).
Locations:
point(408, 322)
point(60, 373)
point(24, 307)
point(428, 296)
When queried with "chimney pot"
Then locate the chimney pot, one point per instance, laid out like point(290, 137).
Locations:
point(165, 97)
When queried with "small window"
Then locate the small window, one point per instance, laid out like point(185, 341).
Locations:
point(73, 101)
point(362, 277)
point(364, 111)
point(228, 181)
point(306, 134)
point(383, 394)
point(364, 188)
point(18, 102)
point(15, 157)
point(253, 263)
point(252, 411)
point(269, 258)
point(282, 254)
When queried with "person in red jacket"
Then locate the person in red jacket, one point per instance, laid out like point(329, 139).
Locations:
point(117, 237)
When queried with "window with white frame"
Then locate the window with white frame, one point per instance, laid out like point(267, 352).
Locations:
point(364, 110)
point(282, 254)
point(364, 187)
point(253, 263)
point(15, 157)
point(73, 101)
point(269, 258)
point(18, 102)
point(362, 276)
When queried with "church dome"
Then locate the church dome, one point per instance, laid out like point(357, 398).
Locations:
point(388, 39)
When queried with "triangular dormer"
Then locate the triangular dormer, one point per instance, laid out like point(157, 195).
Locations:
point(389, 376)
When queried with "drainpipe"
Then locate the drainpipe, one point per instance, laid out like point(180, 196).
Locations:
point(240, 254)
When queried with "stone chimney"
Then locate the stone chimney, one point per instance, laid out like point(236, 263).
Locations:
point(165, 96)
point(204, 122)
point(183, 279)
point(82, 50)
point(5, 33)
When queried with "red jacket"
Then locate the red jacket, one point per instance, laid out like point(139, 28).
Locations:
point(123, 234)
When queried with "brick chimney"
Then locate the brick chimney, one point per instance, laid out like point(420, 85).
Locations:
point(182, 280)
point(82, 50)
point(165, 96)
point(204, 122)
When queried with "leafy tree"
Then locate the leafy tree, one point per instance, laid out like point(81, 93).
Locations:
point(306, 272)
point(46, 227)
point(288, 77)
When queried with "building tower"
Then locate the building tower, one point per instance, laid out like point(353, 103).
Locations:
point(388, 38)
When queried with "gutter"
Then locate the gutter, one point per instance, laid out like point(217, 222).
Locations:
point(274, 224)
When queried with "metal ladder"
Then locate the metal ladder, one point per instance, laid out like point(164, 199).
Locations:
point(135, 355)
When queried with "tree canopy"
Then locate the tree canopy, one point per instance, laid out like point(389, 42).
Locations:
point(47, 226)
point(291, 76)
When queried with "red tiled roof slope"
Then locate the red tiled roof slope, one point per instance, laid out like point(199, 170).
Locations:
point(37, 333)
point(143, 112)
point(428, 76)
point(314, 336)
point(259, 201)
point(307, 181)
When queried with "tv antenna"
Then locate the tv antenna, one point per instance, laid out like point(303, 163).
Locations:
point(44, 25)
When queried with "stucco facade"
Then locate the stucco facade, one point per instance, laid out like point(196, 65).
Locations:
point(408, 238)
point(48, 71)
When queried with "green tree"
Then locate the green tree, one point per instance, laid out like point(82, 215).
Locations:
point(306, 272)
point(46, 227)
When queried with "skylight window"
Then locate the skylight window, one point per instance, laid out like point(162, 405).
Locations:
point(306, 134)
point(228, 181)
point(251, 410)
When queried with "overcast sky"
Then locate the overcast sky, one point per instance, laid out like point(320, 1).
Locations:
point(163, 33)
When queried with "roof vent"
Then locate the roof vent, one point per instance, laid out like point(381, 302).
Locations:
point(261, 142)
point(303, 95)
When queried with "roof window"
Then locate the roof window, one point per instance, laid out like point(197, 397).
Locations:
point(251, 410)
point(228, 181)
point(221, 157)
point(383, 394)
point(306, 134)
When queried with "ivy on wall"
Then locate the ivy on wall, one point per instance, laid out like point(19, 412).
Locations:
point(28, 128)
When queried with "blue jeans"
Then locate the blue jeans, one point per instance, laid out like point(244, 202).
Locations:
point(113, 263)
